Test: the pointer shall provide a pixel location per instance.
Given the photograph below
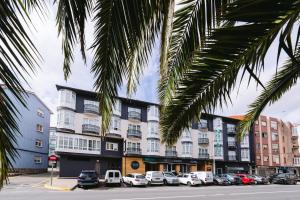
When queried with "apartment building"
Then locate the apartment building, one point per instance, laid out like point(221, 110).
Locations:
point(295, 148)
point(32, 142)
point(274, 147)
point(132, 143)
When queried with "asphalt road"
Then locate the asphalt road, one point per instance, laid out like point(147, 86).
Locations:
point(33, 189)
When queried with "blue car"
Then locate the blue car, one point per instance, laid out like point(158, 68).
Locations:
point(87, 178)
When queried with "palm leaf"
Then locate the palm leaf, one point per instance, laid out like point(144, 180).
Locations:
point(212, 74)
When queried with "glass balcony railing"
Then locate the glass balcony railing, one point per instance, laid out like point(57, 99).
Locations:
point(134, 115)
point(203, 156)
point(91, 108)
point(203, 140)
point(134, 133)
point(231, 144)
point(170, 153)
point(133, 150)
point(231, 131)
point(89, 128)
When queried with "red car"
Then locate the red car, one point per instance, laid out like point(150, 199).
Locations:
point(247, 180)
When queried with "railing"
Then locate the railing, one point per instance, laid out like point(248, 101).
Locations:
point(89, 128)
point(131, 150)
point(231, 131)
point(203, 156)
point(203, 140)
point(134, 133)
point(171, 153)
point(91, 108)
point(134, 115)
point(153, 135)
point(231, 144)
point(231, 157)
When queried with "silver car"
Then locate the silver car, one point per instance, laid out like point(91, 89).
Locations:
point(170, 179)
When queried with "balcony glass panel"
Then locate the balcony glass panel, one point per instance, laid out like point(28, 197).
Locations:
point(134, 133)
point(133, 150)
point(91, 106)
point(90, 128)
point(203, 140)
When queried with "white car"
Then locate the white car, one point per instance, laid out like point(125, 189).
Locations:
point(135, 179)
point(155, 178)
point(189, 179)
point(204, 177)
point(113, 177)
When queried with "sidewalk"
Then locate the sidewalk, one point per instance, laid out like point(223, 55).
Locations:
point(62, 184)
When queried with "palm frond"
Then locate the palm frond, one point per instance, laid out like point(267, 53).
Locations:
point(212, 74)
point(121, 29)
point(70, 19)
point(18, 56)
point(281, 82)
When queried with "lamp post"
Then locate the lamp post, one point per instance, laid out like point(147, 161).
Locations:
point(213, 154)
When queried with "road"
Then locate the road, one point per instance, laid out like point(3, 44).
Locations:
point(24, 188)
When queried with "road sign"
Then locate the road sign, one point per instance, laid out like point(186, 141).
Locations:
point(52, 158)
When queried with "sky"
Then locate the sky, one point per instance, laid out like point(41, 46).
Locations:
point(50, 73)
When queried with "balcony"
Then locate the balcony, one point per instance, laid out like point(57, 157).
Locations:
point(153, 135)
point(170, 153)
point(89, 128)
point(231, 131)
point(203, 140)
point(133, 151)
point(91, 108)
point(134, 115)
point(132, 133)
point(231, 144)
point(232, 158)
point(295, 146)
point(203, 156)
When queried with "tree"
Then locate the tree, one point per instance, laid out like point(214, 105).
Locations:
point(204, 44)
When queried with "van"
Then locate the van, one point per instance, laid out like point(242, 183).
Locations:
point(204, 176)
point(155, 178)
point(113, 177)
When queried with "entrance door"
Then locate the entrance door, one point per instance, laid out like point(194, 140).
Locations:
point(183, 168)
point(97, 168)
point(170, 167)
point(152, 167)
point(219, 171)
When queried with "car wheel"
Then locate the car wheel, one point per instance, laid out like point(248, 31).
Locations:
point(131, 184)
point(189, 183)
point(165, 182)
point(149, 183)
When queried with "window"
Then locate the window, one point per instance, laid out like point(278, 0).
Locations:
point(274, 136)
point(117, 106)
point(232, 155)
point(274, 146)
point(283, 149)
point(153, 111)
point(266, 158)
point(39, 128)
point(265, 147)
point(257, 157)
point(111, 146)
point(65, 119)
point(65, 142)
point(37, 159)
point(264, 135)
point(203, 123)
point(203, 151)
point(256, 122)
point(230, 128)
point(218, 137)
point(153, 145)
point(172, 148)
point(274, 125)
point(186, 134)
point(282, 138)
point(134, 146)
point(187, 148)
point(203, 135)
point(218, 151)
point(263, 123)
point(38, 143)
point(245, 140)
point(40, 113)
point(134, 113)
point(258, 146)
point(231, 141)
point(67, 98)
point(92, 106)
point(115, 123)
point(275, 159)
point(245, 154)
point(152, 128)
point(91, 121)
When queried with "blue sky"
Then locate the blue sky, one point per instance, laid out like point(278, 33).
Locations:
point(50, 74)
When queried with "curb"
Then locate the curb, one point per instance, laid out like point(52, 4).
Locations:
point(59, 188)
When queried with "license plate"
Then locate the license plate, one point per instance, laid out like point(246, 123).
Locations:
point(157, 179)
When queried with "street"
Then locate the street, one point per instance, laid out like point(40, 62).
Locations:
point(23, 188)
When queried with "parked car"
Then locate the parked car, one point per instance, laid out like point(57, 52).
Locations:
point(135, 179)
point(189, 179)
point(155, 178)
point(218, 180)
point(270, 178)
point(246, 179)
point(204, 176)
point(285, 178)
point(87, 178)
point(170, 179)
point(113, 177)
point(260, 179)
point(233, 179)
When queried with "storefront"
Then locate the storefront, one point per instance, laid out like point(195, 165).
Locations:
point(176, 165)
point(233, 167)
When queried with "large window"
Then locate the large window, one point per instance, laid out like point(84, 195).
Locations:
point(65, 119)
point(134, 113)
point(203, 151)
point(218, 151)
point(115, 123)
point(153, 145)
point(110, 146)
point(274, 125)
point(65, 142)
point(67, 98)
point(231, 155)
point(117, 107)
point(91, 121)
point(187, 148)
point(231, 128)
point(275, 147)
point(152, 128)
point(203, 135)
point(264, 135)
point(245, 154)
point(245, 140)
point(91, 106)
point(274, 136)
point(263, 123)
point(275, 159)
point(186, 134)
point(203, 123)
point(153, 111)
point(134, 147)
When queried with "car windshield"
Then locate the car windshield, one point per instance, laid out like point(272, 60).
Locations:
point(169, 174)
point(156, 174)
point(87, 174)
point(140, 176)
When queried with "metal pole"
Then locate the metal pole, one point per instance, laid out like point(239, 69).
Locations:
point(214, 161)
point(51, 172)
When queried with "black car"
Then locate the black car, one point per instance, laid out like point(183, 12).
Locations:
point(270, 178)
point(218, 180)
point(87, 178)
point(285, 178)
